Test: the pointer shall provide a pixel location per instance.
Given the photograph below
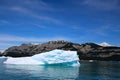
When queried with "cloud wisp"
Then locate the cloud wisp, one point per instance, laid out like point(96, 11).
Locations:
point(39, 26)
point(34, 15)
point(104, 30)
point(38, 4)
point(9, 38)
point(102, 4)
point(32, 8)
point(4, 21)
point(5, 44)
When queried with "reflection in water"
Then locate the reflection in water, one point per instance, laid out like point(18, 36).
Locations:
point(44, 72)
point(99, 70)
point(96, 70)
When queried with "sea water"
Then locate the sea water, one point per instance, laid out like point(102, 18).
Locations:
point(95, 70)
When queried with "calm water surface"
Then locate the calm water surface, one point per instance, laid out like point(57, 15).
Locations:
point(97, 70)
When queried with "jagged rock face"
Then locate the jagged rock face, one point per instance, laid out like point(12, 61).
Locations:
point(87, 51)
point(20, 51)
point(102, 53)
point(50, 46)
point(29, 49)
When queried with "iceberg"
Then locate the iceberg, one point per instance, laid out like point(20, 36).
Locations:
point(3, 59)
point(55, 57)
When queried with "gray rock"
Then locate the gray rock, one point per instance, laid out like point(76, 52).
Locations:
point(0, 54)
point(87, 51)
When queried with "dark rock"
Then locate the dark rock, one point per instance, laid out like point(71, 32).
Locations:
point(0, 54)
point(87, 51)
point(102, 53)
point(20, 51)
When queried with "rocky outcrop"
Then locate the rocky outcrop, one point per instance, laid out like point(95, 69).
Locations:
point(20, 51)
point(31, 49)
point(87, 51)
point(96, 52)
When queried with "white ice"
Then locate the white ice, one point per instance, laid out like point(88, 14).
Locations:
point(54, 57)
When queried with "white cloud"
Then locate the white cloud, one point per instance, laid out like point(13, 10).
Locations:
point(47, 19)
point(33, 8)
point(5, 45)
point(28, 39)
point(76, 27)
point(19, 9)
point(7, 41)
point(39, 26)
point(37, 4)
point(31, 13)
point(102, 30)
point(4, 21)
point(102, 4)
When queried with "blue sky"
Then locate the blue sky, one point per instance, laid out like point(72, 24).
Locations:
point(38, 21)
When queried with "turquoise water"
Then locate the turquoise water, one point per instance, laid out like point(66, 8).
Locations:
point(98, 70)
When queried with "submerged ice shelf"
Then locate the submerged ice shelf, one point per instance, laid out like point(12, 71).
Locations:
point(55, 57)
